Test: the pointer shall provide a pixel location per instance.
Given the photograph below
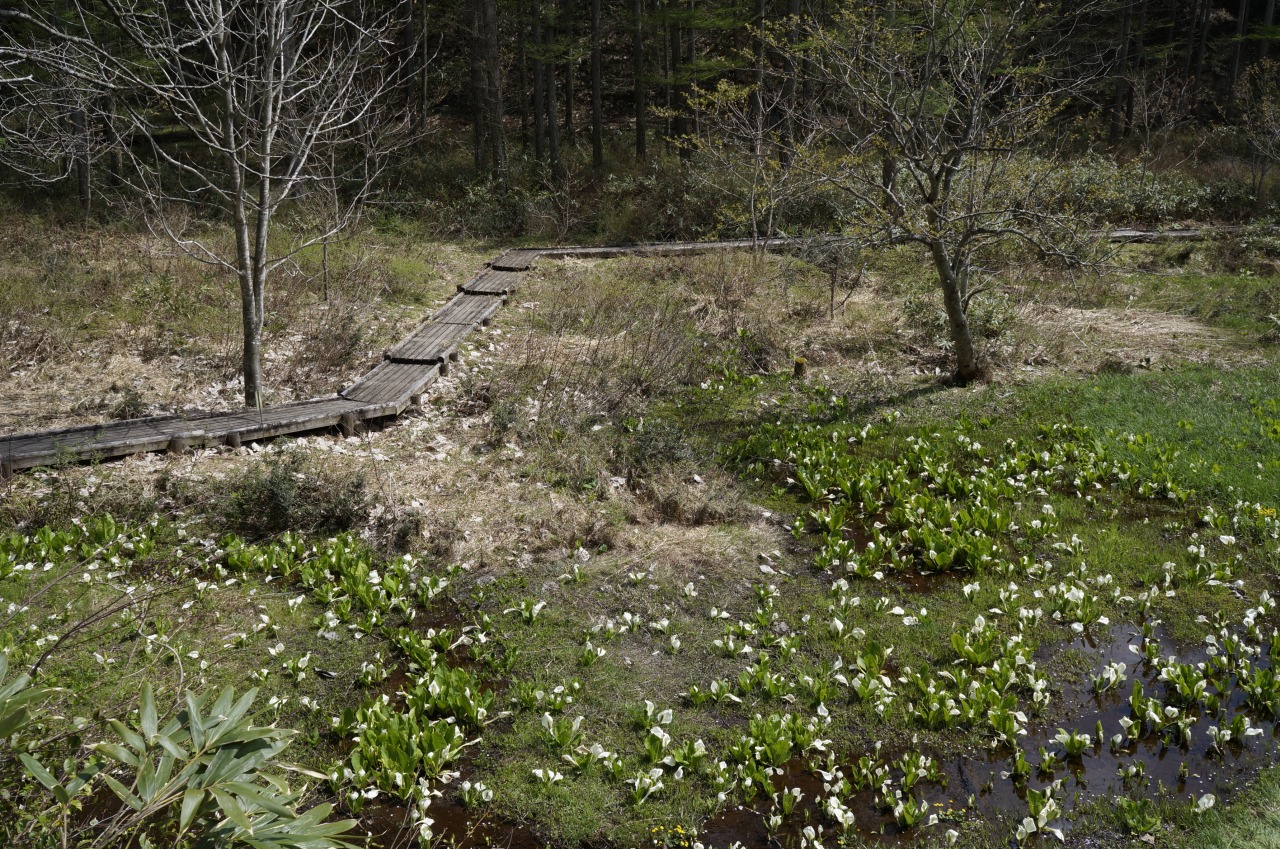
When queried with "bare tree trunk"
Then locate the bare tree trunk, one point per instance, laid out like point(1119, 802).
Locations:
point(757, 94)
point(539, 95)
point(1241, 14)
point(1189, 59)
point(250, 309)
point(1268, 18)
point(522, 85)
point(637, 50)
point(597, 105)
point(668, 85)
point(686, 89)
point(425, 45)
point(479, 118)
point(889, 185)
point(1122, 76)
point(957, 323)
point(566, 31)
point(495, 134)
point(1139, 64)
point(553, 105)
point(679, 104)
point(789, 104)
point(486, 89)
point(80, 129)
point(1202, 40)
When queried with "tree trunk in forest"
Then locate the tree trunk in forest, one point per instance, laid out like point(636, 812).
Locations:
point(539, 95)
point(477, 89)
point(679, 124)
point(1236, 53)
point(1139, 63)
point(1268, 18)
point(406, 44)
point(637, 50)
point(425, 42)
point(570, 60)
point(954, 285)
point(757, 94)
point(522, 70)
point(80, 130)
point(597, 119)
point(668, 88)
point(1202, 40)
point(686, 88)
point(486, 88)
point(493, 89)
point(79, 126)
point(789, 88)
point(1189, 59)
point(1122, 76)
point(553, 105)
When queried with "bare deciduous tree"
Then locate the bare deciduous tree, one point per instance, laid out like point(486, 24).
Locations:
point(231, 109)
point(934, 127)
point(755, 160)
point(45, 132)
point(1258, 95)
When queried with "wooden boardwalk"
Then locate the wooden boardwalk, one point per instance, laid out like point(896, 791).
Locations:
point(409, 369)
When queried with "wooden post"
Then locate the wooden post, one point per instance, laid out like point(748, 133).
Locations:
point(233, 439)
point(6, 469)
point(348, 424)
point(179, 446)
point(416, 400)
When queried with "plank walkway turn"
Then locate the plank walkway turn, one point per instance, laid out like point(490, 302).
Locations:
point(391, 387)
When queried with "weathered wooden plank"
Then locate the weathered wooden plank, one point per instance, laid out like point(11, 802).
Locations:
point(1152, 236)
point(434, 342)
point(141, 436)
point(468, 309)
point(520, 259)
point(492, 283)
point(668, 248)
point(392, 382)
point(297, 418)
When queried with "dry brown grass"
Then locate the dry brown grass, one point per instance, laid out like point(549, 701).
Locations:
point(114, 322)
point(505, 467)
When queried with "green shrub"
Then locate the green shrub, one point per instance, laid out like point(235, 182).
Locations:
point(289, 492)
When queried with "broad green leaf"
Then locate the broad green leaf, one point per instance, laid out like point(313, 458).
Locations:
point(193, 722)
point(164, 769)
point(38, 771)
point(231, 809)
point(242, 707)
point(117, 753)
point(266, 801)
point(125, 794)
point(146, 781)
point(147, 719)
point(190, 807)
point(12, 720)
point(166, 742)
point(131, 738)
point(84, 775)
